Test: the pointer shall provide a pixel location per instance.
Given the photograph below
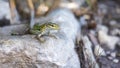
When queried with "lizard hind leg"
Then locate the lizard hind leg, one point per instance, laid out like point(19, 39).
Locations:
point(40, 38)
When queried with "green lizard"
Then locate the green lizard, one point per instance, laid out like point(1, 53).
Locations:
point(44, 29)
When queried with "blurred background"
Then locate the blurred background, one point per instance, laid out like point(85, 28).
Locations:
point(99, 21)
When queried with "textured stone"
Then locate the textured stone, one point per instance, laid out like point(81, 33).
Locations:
point(109, 41)
point(4, 9)
point(28, 52)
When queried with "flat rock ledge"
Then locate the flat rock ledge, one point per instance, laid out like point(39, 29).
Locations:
point(27, 52)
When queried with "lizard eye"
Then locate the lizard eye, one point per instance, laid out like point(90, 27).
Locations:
point(52, 25)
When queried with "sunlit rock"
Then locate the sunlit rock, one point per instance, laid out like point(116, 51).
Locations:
point(28, 52)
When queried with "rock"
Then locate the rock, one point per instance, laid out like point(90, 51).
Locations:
point(102, 28)
point(113, 22)
point(113, 54)
point(5, 14)
point(62, 16)
point(83, 19)
point(4, 10)
point(109, 41)
point(8, 30)
point(99, 51)
point(93, 32)
point(110, 57)
point(108, 52)
point(118, 43)
point(73, 4)
point(115, 60)
point(115, 32)
point(102, 9)
point(28, 52)
point(4, 22)
point(88, 53)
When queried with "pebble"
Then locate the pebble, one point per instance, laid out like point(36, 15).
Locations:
point(108, 52)
point(109, 41)
point(113, 54)
point(115, 60)
point(99, 51)
point(102, 9)
point(113, 22)
point(115, 32)
point(110, 58)
point(87, 17)
point(102, 28)
point(83, 21)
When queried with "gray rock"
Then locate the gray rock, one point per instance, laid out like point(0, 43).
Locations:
point(8, 30)
point(71, 4)
point(102, 28)
point(28, 52)
point(110, 58)
point(115, 32)
point(113, 54)
point(116, 60)
point(83, 19)
point(113, 22)
point(99, 51)
point(66, 19)
point(109, 41)
point(4, 9)
point(88, 53)
point(102, 9)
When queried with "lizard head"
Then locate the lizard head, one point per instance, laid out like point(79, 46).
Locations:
point(53, 26)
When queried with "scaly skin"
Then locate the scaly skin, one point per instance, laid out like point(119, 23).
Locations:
point(44, 29)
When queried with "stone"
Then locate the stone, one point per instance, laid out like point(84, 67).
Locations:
point(4, 10)
point(83, 19)
point(108, 52)
point(28, 52)
point(73, 4)
point(109, 41)
point(51, 54)
point(60, 16)
point(115, 32)
point(102, 28)
point(113, 54)
point(99, 51)
point(110, 57)
point(102, 8)
point(116, 60)
point(88, 53)
point(113, 22)
point(8, 30)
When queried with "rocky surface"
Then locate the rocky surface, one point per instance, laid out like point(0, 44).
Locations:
point(4, 10)
point(27, 52)
point(97, 44)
